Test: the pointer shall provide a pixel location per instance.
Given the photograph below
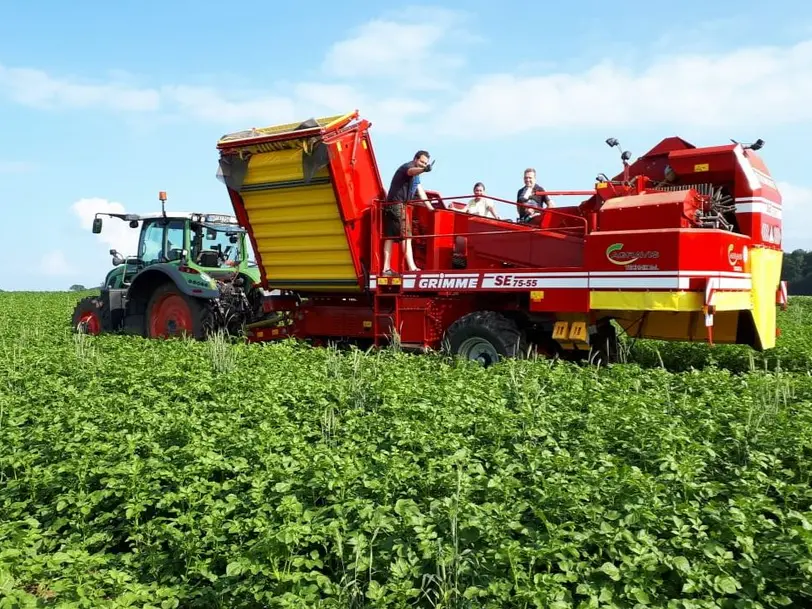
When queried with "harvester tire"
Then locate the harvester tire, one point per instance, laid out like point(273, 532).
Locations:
point(485, 337)
point(170, 312)
point(606, 346)
point(88, 317)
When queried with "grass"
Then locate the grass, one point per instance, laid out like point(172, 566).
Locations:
point(183, 474)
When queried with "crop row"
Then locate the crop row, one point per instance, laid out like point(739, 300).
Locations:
point(182, 474)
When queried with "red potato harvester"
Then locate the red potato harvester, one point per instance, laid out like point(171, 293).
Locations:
point(683, 245)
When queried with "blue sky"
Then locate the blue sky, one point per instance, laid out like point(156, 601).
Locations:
point(111, 102)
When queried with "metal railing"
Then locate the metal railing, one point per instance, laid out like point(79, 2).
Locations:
point(379, 205)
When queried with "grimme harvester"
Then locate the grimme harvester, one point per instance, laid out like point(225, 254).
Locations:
point(684, 244)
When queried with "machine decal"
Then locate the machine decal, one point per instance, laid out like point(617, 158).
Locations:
point(534, 280)
point(616, 255)
point(597, 280)
point(735, 258)
point(220, 218)
point(444, 282)
point(770, 233)
point(759, 205)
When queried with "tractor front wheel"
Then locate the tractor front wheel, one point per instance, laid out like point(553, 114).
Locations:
point(87, 316)
point(485, 337)
point(170, 312)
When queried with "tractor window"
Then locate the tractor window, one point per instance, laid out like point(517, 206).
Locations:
point(215, 245)
point(151, 246)
point(159, 245)
point(174, 240)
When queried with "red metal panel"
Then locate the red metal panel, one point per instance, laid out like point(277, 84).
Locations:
point(673, 251)
point(357, 184)
point(559, 301)
point(332, 318)
point(242, 218)
point(648, 211)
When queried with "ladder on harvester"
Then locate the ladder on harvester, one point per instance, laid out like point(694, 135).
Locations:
point(386, 308)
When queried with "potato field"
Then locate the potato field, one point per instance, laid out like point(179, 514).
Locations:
point(166, 474)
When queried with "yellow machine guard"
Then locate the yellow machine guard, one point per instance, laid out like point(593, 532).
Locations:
point(297, 227)
point(296, 224)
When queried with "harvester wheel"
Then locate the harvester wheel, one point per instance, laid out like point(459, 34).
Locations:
point(170, 312)
point(485, 337)
point(606, 346)
point(87, 316)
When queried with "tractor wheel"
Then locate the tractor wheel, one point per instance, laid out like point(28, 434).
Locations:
point(485, 337)
point(170, 312)
point(87, 316)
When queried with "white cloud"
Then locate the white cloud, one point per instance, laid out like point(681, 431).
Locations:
point(116, 233)
point(389, 114)
point(408, 53)
point(797, 218)
point(410, 56)
point(37, 88)
point(208, 104)
point(756, 85)
point(751, 85)
point(54, 263)
point(15, 167)
point(234, 110)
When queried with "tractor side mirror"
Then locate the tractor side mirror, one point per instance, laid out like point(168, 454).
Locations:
point(133, 223)
point(117, 258)
point(97, 224)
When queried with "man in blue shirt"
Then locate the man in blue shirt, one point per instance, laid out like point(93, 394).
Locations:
point(405, 184)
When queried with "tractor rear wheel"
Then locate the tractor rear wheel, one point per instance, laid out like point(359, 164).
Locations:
point(485, 337)
point(88, 317)
point(170, 312)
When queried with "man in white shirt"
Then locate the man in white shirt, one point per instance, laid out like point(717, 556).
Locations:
point(525, 196)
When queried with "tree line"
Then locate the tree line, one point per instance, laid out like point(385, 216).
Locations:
point(797, 272)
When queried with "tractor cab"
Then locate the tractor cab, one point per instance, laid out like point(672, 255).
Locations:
point(212, 244)
point(216, 245)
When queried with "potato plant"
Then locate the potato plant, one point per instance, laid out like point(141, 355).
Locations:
point(167, 474)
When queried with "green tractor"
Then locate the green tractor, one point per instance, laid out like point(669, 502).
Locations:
point(192, 276)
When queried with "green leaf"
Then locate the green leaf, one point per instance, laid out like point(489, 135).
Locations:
point(611, 570)
point(728, 585)
point(233, 569)
point(641, 596)
point(681, 563)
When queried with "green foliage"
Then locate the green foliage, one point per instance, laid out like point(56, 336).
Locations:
point(181, 474)
point(793, 351)
point(796, 270)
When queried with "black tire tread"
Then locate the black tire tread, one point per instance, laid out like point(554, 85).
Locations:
point(505, 334)
point(89, 303)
